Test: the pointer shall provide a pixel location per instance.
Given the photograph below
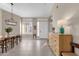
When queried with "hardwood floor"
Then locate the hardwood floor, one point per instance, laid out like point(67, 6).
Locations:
point(30, 47)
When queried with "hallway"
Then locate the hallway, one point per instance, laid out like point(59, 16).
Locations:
point(57, 22)
point(30, 47)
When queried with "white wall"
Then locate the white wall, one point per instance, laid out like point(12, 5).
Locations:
point(54, 24)
point(74, 23)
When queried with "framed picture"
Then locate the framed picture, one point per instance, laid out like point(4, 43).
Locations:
point(8, 22)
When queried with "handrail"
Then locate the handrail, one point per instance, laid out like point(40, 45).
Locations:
point(75, 45)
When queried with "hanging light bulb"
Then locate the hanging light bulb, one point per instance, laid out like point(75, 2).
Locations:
point(11, 21)
point(11, 11)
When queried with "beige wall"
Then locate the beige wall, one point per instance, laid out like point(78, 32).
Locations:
point(6, 15)
point(0, 23)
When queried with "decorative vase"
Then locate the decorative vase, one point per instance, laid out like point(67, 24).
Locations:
point(62, 30)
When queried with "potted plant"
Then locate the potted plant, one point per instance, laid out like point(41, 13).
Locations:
point(8, 30)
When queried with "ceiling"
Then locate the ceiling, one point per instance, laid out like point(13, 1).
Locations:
point(29, 9)
point(69, 12)
point(65, 11)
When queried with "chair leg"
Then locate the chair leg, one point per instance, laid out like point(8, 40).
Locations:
point(2, 48)
point(5, 46)
point(11, 43)
point(16, 41)
point(19, 39)
point(5, 49)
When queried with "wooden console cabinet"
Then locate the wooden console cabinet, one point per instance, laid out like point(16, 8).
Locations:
point(60, 43)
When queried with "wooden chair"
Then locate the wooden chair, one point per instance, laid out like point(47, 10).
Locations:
point(15, 40)
point(12, 41)
point(19, 38)
point(9, 42)
point(2, 45)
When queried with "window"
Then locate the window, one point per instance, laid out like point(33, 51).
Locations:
point(27, 27)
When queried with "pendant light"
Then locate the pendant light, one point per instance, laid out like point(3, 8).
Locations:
point(12, 11)
point(12, 15)
point(11, 21)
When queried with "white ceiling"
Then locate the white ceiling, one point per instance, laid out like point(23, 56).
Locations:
point(66, 11)
point(29, 9)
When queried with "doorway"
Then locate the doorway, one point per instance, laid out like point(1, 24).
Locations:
point(39, 25)
point(42, 29)
point(27, 28)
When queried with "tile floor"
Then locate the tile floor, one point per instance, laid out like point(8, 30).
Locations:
point(30, 47)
